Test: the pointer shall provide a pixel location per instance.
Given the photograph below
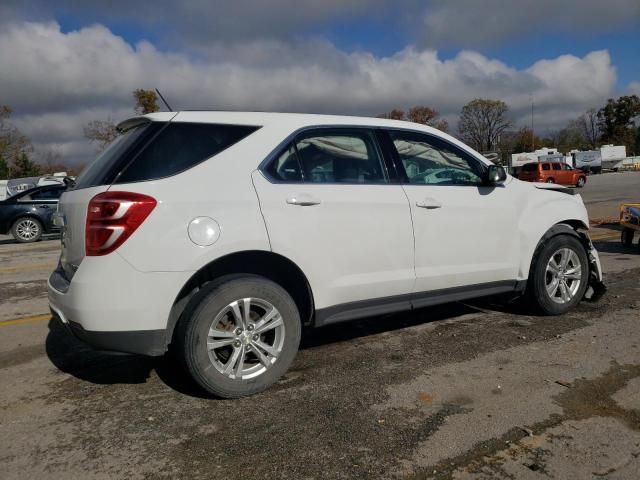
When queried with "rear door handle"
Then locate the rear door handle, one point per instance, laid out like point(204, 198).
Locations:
point(303, 200)
point(429, 203)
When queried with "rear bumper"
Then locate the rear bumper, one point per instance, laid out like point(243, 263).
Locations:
point(111, 306)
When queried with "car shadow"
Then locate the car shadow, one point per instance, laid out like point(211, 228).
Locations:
point(77, 359)
point(617, 247)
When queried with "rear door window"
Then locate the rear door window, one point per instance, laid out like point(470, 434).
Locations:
point(556, 166)
point(180, 146)
point(340, 156)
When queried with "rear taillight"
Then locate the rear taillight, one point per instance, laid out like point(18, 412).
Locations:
point(112, 217)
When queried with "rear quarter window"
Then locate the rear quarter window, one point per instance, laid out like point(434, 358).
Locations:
point(180, 146)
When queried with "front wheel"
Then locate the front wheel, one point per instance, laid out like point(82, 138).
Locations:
point(27, 230)
point(581, 182)
point(559, 275)
point(239, 336)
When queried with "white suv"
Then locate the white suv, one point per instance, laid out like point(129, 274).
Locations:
point(223, 234)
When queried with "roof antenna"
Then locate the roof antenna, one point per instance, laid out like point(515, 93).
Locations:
point(164, 101)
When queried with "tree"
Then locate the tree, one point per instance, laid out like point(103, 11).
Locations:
point(427, 116)
point(418, 114)
point(4, 169)
point(102, 132)
point(616, 120)
point(588, 123)
point(12, 141)
point(526, 141)
point(482, 121)
point(25, 167)
point(394, 114)
point(146, 101)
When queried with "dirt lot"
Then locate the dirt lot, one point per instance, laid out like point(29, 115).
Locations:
point(466, 390)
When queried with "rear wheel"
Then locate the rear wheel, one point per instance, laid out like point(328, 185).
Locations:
point(239, 336)
point(559, 274)
point(27, 230)
point(581, 182)
point(550, 180)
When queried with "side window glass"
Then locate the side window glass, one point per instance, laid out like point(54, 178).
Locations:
point(556, 166)
point(545, 166)
point(428, 160)
point(286, 166)
point(340, 158)
point(567, 167)
point(48, 194)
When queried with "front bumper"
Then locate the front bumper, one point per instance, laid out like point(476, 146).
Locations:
point(111, 306)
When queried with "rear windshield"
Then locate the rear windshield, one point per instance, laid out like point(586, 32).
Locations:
point(530, 167)
point(160, 149)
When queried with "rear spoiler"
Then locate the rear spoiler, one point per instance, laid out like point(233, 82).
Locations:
point(130, 123)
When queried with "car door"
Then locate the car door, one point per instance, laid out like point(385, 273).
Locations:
point(329, 207)
point(465, 232)
point(557, 173)
point(568, 174)
point(43, 204)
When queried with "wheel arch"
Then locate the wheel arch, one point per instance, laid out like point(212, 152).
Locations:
point(270, 265)
point(573, 227)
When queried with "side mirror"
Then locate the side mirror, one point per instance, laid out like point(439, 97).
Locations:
point(496, 175)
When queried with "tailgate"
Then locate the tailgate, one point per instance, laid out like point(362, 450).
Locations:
point(72, 214)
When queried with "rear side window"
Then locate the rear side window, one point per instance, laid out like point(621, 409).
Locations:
point(180, 146)
point(104, 169)
point(545, 166)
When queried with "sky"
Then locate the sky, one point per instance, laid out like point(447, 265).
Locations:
point(65, 63)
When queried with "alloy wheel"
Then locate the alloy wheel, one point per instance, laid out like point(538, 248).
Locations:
point(246, 338)
point(27, 229)
point(563, 275)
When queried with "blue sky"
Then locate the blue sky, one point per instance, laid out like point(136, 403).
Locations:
point(73, 62)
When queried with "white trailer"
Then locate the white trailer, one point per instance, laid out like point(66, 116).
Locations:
point(613, 156)
point(519, 159)
point(589, 160)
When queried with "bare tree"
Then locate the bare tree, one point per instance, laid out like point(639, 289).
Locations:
point(102, 132)
point(482, 121)
point(588, 123)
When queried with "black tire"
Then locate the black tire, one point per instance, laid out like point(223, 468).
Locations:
point(23, 225)
point(581, 182)
point(627, 237)
point(206, 306)
point(536, 285)
point(550, 180)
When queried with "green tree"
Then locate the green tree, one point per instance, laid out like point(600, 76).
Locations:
point(482, 122)
point(23, 166)
point(146, 101)
point(4, 169)
point(616, 120)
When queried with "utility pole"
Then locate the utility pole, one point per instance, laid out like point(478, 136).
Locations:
point(533, 141)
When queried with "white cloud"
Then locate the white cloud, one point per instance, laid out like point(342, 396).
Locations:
point(57, 81)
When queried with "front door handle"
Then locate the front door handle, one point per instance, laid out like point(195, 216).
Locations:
point(303, 200)
point(429, 203)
